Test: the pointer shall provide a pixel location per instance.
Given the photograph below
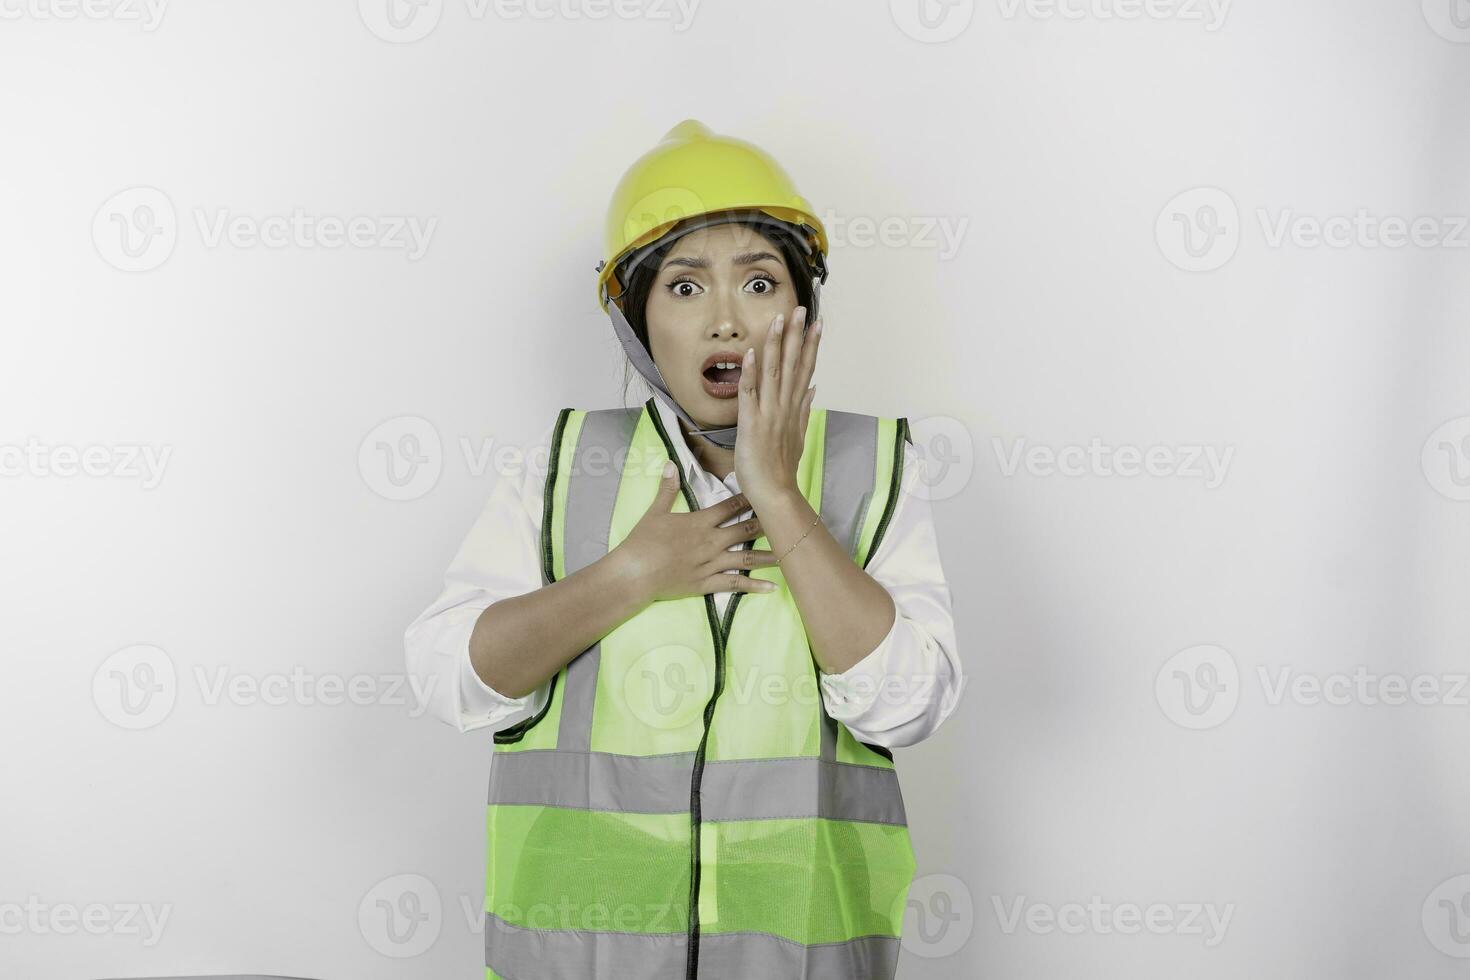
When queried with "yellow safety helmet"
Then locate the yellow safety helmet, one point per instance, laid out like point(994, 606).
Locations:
point(693, 172)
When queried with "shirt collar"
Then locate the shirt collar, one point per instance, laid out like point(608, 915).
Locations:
point(697, 473)
point(676, 435)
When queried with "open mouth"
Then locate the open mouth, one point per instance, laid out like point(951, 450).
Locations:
point(722, 374)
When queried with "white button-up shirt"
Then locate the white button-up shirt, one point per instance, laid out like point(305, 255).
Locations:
point(897, 695)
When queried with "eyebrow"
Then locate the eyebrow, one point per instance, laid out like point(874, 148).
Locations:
point(742, 258)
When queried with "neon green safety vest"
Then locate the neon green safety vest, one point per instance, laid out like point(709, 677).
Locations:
point(683, 806)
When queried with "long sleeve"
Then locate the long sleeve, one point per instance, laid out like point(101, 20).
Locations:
point(498, 559)
point(909, 684)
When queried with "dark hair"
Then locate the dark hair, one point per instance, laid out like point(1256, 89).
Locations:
point(640, 280)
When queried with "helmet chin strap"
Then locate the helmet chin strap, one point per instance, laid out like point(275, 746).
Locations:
point(644, 365)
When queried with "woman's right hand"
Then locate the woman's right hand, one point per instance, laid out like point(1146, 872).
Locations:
point(673, 555)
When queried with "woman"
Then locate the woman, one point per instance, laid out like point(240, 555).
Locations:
point(677, 791)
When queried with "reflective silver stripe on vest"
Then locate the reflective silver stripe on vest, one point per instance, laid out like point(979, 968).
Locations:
point(592, 780)
point(606, 435)
point(849, 458)
point(849, 464)
point(735, 789)
point(581, 954)
point(774, 789)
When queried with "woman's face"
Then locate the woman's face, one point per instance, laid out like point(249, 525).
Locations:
point(716, 293)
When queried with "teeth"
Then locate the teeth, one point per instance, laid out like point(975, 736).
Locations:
point(724, 364)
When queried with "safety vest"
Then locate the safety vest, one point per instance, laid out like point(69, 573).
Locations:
point(683, 806)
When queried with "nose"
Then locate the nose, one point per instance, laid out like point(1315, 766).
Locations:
point(726, 326)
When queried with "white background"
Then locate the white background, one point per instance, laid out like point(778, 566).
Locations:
point(1081, 766)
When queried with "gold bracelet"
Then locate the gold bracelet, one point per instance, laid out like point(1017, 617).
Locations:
point(800, 539)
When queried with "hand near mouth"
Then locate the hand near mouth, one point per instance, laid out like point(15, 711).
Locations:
point(775, 403)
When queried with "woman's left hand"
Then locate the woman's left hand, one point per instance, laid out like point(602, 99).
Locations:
point(775, 402)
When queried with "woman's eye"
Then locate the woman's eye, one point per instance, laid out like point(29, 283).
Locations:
point(677, 287)
point(768, 282)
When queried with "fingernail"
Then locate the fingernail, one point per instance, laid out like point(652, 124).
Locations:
point(767, 586)
point(669, 468)
point(749, 354)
